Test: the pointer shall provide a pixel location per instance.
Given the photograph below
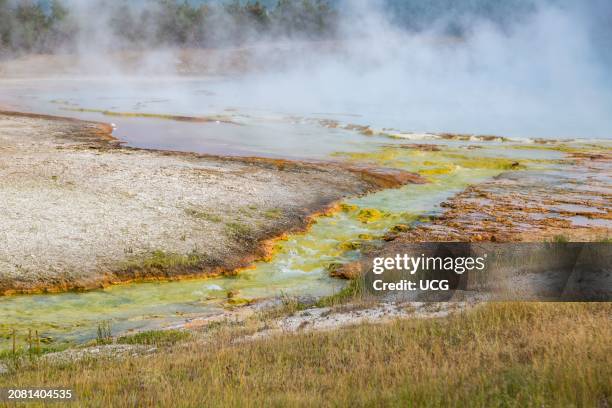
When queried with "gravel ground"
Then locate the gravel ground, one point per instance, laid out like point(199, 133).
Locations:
point(79, 211)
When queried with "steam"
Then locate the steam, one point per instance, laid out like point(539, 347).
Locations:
point(536, 69)
point(541, 76)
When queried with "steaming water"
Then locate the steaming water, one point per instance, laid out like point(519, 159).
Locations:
point(264, 125)
point(254, 131)
point(300, 265)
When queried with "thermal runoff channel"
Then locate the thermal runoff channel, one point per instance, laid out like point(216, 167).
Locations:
point(251, 176)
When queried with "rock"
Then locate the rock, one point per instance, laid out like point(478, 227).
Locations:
point(350, 270)
point(389, 178)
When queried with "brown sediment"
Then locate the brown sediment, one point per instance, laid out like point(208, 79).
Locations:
point(530, 206)
point(388, 177)
point(417, 146)
point(464, 137)
point(591, 156)
point(334, 124)
point(104, 208)
point(379, 177)
point(571, 202)
point(329, 123)
point(468, 137)
point(395, 134)
point(178, 118)
point(99, 132)
point(392, 134)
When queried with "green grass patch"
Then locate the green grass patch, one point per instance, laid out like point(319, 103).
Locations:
point(239, 231)
point(273, 214)
point(155, 337)
point(24, 351)
point(288, 306)
point(353, 291)
point(163, 260)
point(104, 333)
point(203, 215)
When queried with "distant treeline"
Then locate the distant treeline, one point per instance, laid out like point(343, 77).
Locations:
point(44, 26)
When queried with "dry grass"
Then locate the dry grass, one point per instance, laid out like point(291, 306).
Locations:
point(512, 354)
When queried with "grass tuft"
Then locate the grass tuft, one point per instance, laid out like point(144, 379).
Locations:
point(273, 214)
point(239, 232)
point(165, 260)
point(104, 334)
point(156, 337)
point(202, 215)
point(353, 291)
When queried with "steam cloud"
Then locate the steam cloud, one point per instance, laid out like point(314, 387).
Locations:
point(534, 69)
point(542, 75)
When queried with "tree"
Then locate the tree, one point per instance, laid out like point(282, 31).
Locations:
point(62, 28)
point(5, 25)
point(309, 18)
point(179, 23)
point(31, 25)
point(257, 15)
point(45, 25)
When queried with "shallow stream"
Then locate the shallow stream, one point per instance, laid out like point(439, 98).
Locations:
point(299, 266)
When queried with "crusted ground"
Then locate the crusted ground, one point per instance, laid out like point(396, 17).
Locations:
point(566, 203)
point(570, 202)
point(78, 211)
